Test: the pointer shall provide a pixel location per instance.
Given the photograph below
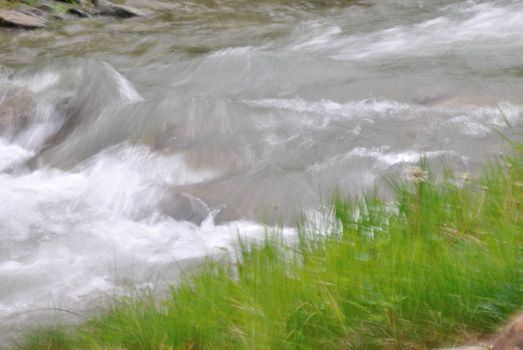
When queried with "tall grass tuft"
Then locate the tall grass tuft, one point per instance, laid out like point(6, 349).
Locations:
point(440, 264)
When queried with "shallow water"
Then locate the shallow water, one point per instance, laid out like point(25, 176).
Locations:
point(155, 141)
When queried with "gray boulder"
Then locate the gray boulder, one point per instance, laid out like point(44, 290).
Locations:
point(17, 109)
point(19, 19)
point(109, 9)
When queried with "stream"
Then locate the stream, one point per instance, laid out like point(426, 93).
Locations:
point(149, 143)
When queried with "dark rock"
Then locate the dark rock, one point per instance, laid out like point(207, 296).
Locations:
point(74, 2)
point(21, 20)
point(181, 206)
point(79, 13)
point(121, 11)
point(511, 338)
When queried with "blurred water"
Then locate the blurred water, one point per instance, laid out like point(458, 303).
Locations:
point(155, 141)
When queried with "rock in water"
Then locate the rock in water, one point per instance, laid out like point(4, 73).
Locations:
point(17, 108)
point(79, 12)
point(18, 19)
point(511, 338)
point(109, 9)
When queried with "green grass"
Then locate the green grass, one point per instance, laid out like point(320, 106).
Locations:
point(440, 265)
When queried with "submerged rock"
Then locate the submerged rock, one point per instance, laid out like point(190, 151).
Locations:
point(17, 107)
point(21, 20)
point(183, 206)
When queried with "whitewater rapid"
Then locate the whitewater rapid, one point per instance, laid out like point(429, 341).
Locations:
point(150, 144)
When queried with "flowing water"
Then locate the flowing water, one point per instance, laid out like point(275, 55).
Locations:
point(151, 142)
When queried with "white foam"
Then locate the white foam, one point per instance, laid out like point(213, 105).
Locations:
point(469, 126)
point(465, 24)
point(70, 237)
point(387, 157)
point(332, 108)
point(67, 236)
point(130, 179)
point(125, 87)
point(12, 154)
point(477, 116)
point(38, 82)
point(478, 121)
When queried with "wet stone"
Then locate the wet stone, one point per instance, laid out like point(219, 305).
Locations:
point(79, 13)
point(120, 11)
point(17, 107)
point(22, 20)
point(77, 2)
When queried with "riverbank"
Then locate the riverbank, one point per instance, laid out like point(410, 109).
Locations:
point(440, 266)
point(38, 14)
